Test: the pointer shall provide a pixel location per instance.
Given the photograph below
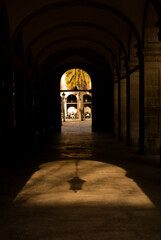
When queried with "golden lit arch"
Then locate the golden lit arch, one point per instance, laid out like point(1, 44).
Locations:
point(75, 79)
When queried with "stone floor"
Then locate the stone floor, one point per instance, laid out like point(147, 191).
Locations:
point(83, 186)
point(74, 125)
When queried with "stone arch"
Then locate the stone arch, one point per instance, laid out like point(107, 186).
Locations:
point(71, 98)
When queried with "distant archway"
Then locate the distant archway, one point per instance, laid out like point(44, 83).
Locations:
point(76, 99)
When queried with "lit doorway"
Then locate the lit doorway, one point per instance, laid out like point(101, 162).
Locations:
point(76, 101)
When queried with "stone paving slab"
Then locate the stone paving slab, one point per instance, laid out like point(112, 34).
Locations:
point(75, 125)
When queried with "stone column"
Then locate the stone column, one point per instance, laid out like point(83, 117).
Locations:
point(19, 102)
point(116, 109)
point(134, 100)
point(134, 108)
point(117, 104)
point(152, 100)
point(128, 133)
point(6, 121)
point(77, 96)
point(123, 104)
point(79, 105)
point(123, 109)
point(29, 113)
point(25, 131)
point(65, 108)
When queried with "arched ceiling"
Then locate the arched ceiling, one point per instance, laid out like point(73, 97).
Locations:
point(51, 26)
point(132, 10)
point(75, 32)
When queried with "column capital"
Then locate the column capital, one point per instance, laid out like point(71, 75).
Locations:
point(115, 77)
point(123, 72)
point(151, 54)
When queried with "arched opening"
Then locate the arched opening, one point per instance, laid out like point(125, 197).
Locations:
point(76, 100)
point(87, 105)
point(72, 112)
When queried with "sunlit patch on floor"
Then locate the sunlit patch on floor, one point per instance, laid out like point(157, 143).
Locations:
point(103, 184)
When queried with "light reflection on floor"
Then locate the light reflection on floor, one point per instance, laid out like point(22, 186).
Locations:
point(104, 184)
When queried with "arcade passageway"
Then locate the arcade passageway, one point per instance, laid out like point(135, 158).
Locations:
point(114, 166)
point(116, 44)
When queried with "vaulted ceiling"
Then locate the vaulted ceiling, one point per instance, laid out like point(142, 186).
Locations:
point(50, 27)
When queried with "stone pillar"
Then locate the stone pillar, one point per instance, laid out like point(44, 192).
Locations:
point(29, 114)
point(123, 109)
point(134, 99)
point(128, 133)
point(116, 109)
point(134, 61)
point(102, 102)
point(123, 98)
point(134, 108)
point(65, 107)
point(19, 102)
point(152, 100)
point(125, 89)
point(77, 96)
point(24, 111)
point(79, 105)
point(6, 122)
point(82, 107)
point(117, 104)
